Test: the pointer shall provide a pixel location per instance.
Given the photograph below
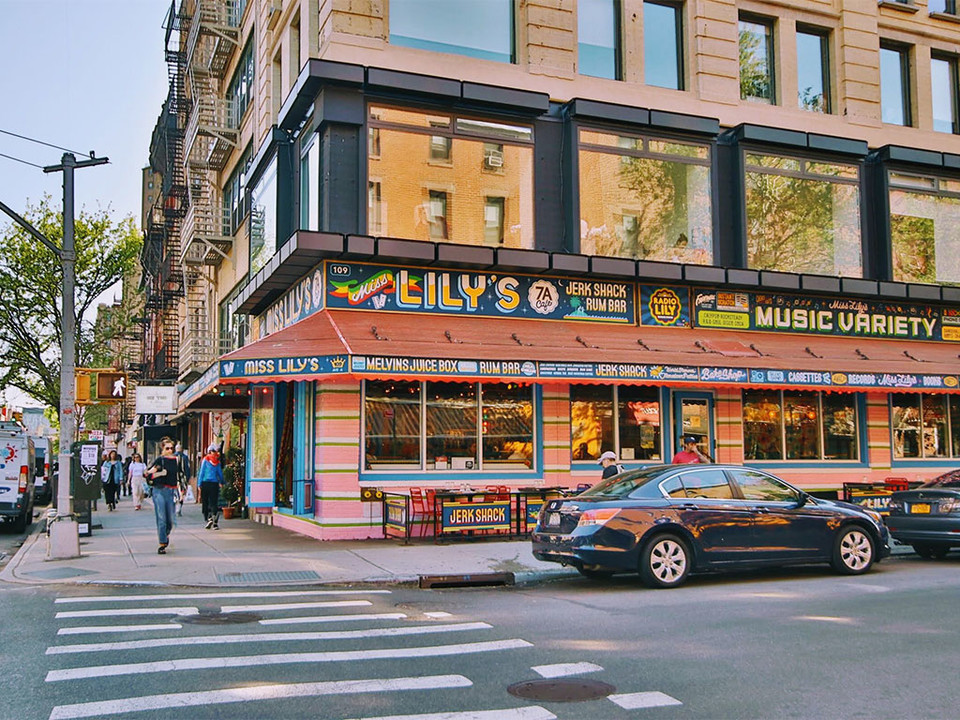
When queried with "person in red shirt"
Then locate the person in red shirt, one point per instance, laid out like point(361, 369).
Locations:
point(690, 453)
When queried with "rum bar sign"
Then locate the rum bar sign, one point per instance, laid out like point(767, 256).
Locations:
point(743, 310)
point(361, 286)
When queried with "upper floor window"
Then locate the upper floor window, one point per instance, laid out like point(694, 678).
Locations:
point(943, 77)
point(235, 203)
point(598, 38)
point(437, 173)
point(240, 89)
point(477, 28)
point(756, 60)
point(799, 425)
point(663, 45)
point(263, 218)
point(645, 198)
point(925, 228)
point(802, 215)
point(310, 183)
point(813, 70)
point(942, 6)
point(895, 85)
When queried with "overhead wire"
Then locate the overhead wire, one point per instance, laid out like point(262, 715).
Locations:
point(25, 162)
point(41, 142)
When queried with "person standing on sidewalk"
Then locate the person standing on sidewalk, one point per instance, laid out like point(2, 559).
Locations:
point(210, 478)
point(135, 478)
point(184, 475)
point(162, 475)
point(112, 473)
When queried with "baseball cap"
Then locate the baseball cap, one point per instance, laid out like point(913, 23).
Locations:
point(690, 439)
point(608, 455)
point(214, 447)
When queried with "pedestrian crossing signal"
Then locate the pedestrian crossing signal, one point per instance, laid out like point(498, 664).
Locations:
point(111, 386)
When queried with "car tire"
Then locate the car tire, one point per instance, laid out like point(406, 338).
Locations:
point(595, 574)
point(664, 562)
point(924, 550)
point(854, 551)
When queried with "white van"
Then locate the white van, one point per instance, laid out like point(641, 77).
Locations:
point(17, 467)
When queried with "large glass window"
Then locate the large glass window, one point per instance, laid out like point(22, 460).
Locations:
point(943, 77)
point(448, 426)
point(235, 203)
point(262, 440)
point(624, 419)
point(813, 70)
point(756, 60)
point(433, 190)
point(477, 28)
point(803, 215)
point(895, 85)
point(645, 198)
point(263, 218)
point(663, 45)
point(799, 425)
point(925, 425)
point(925, 228)
point(598, 38)
point(240, 89)
point(310, 185)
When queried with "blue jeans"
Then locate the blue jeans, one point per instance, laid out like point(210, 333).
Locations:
point(163, 505)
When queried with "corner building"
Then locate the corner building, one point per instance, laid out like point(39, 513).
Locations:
point(483, 242)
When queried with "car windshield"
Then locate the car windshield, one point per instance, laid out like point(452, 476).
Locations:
point(623, 484)
point(947, 480)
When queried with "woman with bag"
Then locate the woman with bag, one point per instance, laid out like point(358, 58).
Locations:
point(162, 477)
point(112, 473)
point(210, 478)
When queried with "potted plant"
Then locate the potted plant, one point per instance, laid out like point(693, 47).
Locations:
point(231, 492)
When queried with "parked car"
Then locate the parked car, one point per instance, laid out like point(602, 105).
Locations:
point(928, 517)
point(668, 521)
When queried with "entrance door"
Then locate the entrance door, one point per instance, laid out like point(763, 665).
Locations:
point(693, 415)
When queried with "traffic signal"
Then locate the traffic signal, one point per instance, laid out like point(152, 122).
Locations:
point(111, 386)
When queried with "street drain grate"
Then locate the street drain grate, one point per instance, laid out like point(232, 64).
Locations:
point(267, 577)
point(218, 618)
point(561, 690)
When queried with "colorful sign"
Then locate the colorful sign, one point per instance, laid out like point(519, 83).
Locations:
point(374, 364)
point(743, 310)
point(282, 366)
point(664, 306)
point(493, 515)
point(299, 302)
point(359, 286)
point(395, 516)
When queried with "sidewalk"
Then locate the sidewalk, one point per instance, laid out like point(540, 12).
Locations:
point(244, 554)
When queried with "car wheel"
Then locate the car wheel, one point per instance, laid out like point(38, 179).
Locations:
point(939, 552)
point(594, 574)
point(854, 553)
point(923, 550)
point(664, 562)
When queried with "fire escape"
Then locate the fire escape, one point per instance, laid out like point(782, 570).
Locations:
point(211, 134)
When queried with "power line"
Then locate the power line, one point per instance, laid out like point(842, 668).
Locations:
point(11, 157)
point(40, 142)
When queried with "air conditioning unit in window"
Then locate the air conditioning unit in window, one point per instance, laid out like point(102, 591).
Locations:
point(493, 159)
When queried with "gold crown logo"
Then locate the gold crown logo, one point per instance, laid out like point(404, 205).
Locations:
point(338, 362)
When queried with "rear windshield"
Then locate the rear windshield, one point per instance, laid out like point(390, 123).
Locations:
point(623, 484)
point(950, 479)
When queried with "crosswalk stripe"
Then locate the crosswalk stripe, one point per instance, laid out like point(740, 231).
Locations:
point(533, 712)
point(636, 701)
point(332, 618)
point(294, 606)
point(213, 596)
point(127, 612)
point(97, 629)
point(166, 666)
point(265, 637)
point(257, 692)
point(565, 669)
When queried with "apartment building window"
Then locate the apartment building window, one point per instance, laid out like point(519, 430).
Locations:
point(924, 228)
point(240, 89)
point(263, 218)
point(310, 184)
point(895, 85)
point(493, 208)
point(943, 76)
point(925, 426)
point(484, 159)
point(756, 60)
point(667, 185)
point(813, 69)
point(799, 425)
point(478, 28)
point(948, 7)
point(598, 38)
point(235, 202)
point(803, 215)
point(663, 45)
point(624, 419)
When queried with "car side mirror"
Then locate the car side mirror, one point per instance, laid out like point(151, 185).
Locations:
point(802, 499)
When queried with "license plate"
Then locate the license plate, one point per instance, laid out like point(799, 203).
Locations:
point(553, 519)
point(920, 509)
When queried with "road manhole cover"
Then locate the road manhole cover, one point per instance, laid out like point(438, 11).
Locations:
point(217, 618)
point(568, 690)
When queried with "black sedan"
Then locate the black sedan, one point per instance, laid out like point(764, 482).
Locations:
point(928, 517)
point(670, 520)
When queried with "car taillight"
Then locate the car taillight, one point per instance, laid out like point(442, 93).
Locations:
point(600, 516)
point(46, 471)
point(23, 478)
point(947, 505)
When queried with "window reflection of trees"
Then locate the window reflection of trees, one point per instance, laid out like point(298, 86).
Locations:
point(799, 425)
point(925, 228)
point(624, 419)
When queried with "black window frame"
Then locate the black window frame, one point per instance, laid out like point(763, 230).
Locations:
point(617, 43)
point(953, 61)
point(677, 8)
point(825, 36)
point(771, 47)
point(906, 93)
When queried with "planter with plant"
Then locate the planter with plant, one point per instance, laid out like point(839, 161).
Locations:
point(231, 492)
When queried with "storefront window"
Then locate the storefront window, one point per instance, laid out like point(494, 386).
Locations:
point(435, 174)
point(262, 450)
point(803, 215)
point(624, 419)
point(645, 198)
point(925, 228)
point(924, 425)
point(448, 426)
point(799, 425)
point(263, 218)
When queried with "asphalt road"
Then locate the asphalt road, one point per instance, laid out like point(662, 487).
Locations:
point(802, 643)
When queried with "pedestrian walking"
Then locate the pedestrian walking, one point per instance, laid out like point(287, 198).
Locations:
point(210, 478)
point(162, 477)
point(136, 480)
point(112, 474)
point(608, 460)
point(183, 477)
point(127, 489)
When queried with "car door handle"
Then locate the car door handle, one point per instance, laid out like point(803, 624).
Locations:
point(690, 506)
point(760, 509)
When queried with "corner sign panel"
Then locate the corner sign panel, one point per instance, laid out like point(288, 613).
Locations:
point(280, 368)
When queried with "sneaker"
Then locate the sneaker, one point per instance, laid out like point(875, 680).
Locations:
point(162, 550)
point(216, 527)
point(208, 525)
point(137, 507)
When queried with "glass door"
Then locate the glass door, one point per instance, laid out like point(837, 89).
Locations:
point(693, 415)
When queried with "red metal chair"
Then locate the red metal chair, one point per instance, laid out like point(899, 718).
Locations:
point(425, 507)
